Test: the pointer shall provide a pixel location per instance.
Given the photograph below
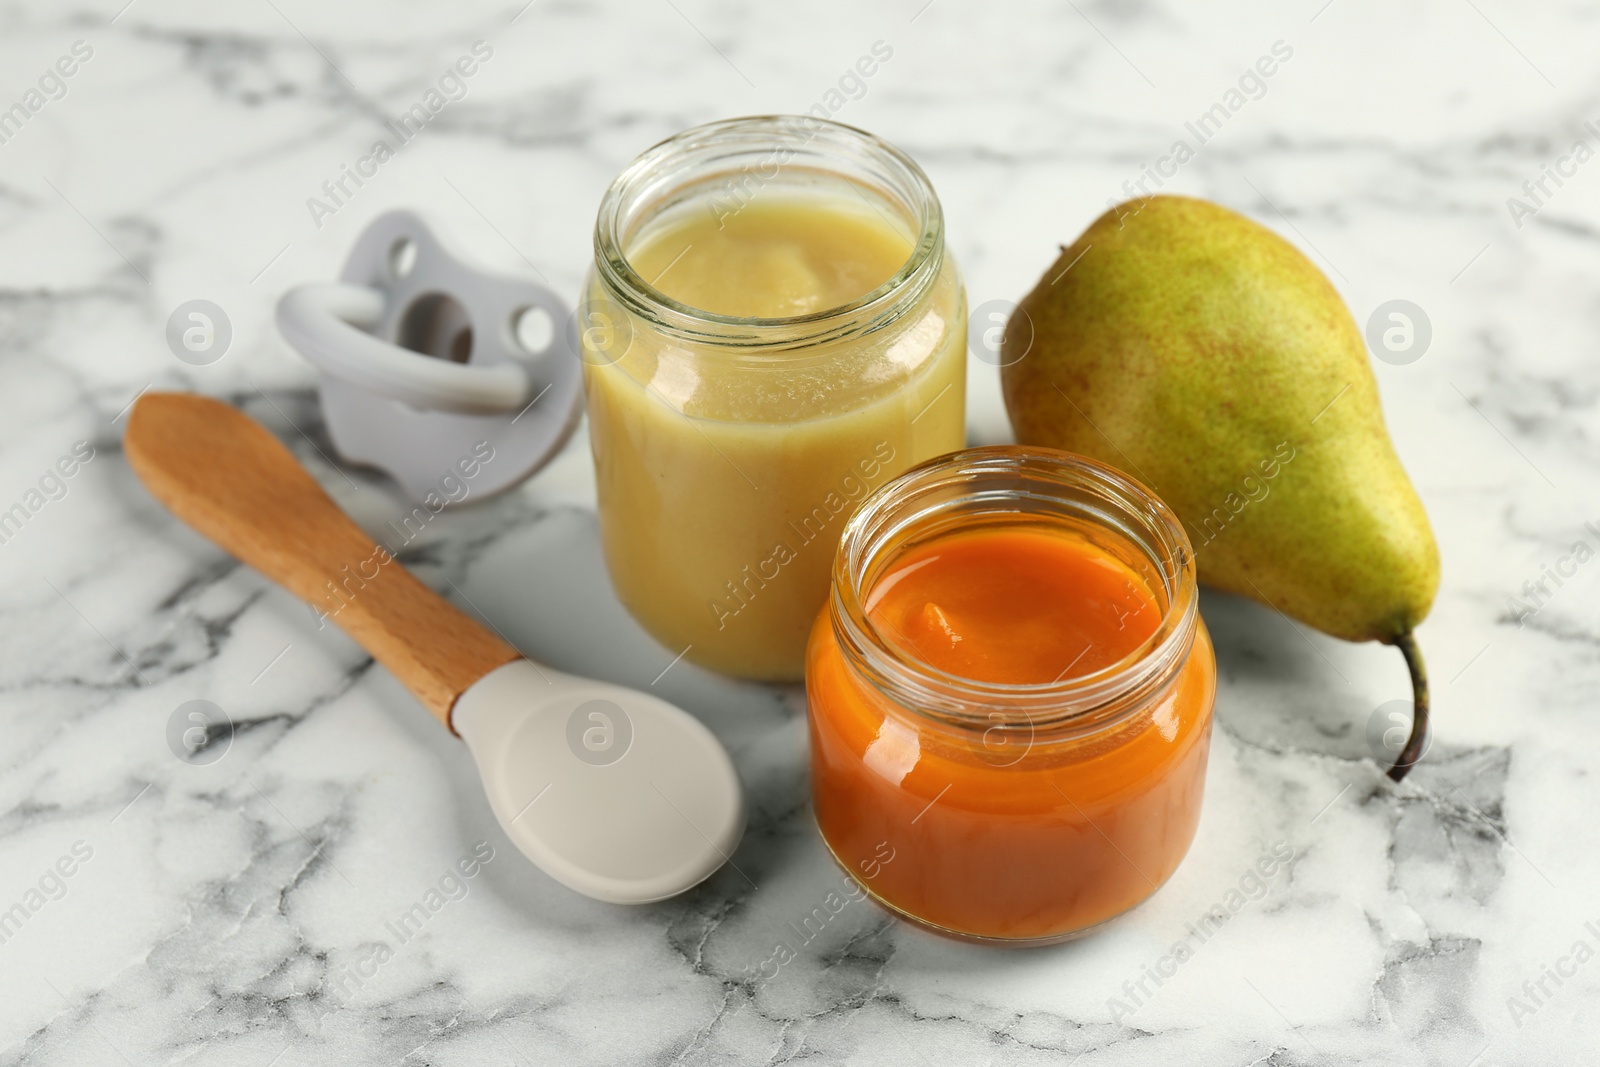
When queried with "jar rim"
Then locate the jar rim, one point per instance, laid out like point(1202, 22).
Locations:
point(643, 180)
point(1079, 704)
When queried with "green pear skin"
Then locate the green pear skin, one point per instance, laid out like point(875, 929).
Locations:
point(1204, 355)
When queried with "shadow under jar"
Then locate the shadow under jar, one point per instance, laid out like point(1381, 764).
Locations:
point(772, 329)
point(1019, 803)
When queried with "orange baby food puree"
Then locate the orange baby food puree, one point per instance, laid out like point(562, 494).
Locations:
point(1020, 605)
point(1036, 836)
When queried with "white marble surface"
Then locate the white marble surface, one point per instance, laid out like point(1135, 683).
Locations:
point(223, 907)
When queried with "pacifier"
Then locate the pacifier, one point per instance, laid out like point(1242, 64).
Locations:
point(428, 364)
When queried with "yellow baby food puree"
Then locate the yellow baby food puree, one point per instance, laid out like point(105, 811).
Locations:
point(725, 473)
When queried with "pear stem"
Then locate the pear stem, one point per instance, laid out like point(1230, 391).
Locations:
point(1407, 644)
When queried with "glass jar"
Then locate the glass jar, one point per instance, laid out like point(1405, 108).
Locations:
point(1015, 813)
point(730, 450)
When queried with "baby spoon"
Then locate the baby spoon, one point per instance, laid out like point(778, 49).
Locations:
point(613, 792)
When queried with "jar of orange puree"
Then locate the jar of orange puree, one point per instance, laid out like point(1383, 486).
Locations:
point(1010, 695)
point(772, 330)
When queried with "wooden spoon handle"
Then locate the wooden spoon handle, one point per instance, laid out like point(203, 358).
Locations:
point(221, 472)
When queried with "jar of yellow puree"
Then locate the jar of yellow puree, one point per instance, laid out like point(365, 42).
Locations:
point(772, 329)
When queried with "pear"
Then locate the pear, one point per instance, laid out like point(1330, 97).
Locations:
point(1207, 357)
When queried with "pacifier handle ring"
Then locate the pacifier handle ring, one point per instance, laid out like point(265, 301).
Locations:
point(329, 323)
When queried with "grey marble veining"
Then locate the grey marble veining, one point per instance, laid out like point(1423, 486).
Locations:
point(244, 912)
